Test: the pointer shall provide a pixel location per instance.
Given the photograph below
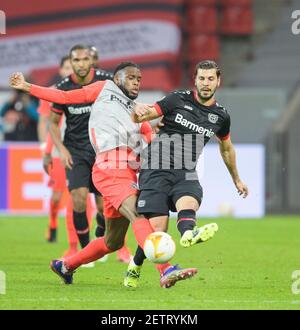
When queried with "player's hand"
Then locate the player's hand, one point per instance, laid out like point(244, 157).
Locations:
point(159, 125)
point(66, 158)
point(242, 188)
point(47, 161)
point(17, 81)
point(141, 109)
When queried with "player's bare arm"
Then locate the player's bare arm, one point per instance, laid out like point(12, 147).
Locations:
point(55, 133)
point(144, 112)
point(228, 154)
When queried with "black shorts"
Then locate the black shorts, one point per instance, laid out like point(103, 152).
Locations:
point(81, 173)
point(161, 189)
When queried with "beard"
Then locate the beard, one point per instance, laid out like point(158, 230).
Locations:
point(206, 97)
point(125, 91)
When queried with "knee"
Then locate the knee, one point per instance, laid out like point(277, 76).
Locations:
point(55, 200)
point(160, 227)
point(79, 202)
point(129, 212)
point(114, 244)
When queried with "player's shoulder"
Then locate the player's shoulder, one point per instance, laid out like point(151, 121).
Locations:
point(183, 93)
point(103, 75)
point(219, 107)
point(64, 84)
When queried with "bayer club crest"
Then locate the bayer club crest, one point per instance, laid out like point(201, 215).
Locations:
point(213, 118)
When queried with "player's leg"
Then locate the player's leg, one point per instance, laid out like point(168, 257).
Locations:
point(79, 184)
point(159, 223)
point(79, 196)
point(71, 231)
point(112, 241)
point(187, 197)
point(53, 216)
point(100, 229)
point(57, 183)
point(119, 186)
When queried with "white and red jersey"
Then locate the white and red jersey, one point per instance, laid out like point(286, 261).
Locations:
point(110, 123)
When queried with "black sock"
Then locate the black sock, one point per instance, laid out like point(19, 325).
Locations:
point(139, 256)
point(100, 230)
point(82, 228)
point(186, 220)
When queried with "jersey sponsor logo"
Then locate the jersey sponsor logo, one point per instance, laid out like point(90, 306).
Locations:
point(141, 203)
point(79, 110)
point(188, 107)
point(128, 105)
point(213, 118)
point(194, 127)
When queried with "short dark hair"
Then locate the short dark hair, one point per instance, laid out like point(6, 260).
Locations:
point(206, 65)
point(63, 60)
point(123, 65)
point(78, 47)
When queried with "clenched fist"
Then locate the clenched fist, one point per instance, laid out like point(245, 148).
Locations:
point(17, 81)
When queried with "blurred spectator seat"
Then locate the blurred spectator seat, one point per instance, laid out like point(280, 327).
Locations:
point(237, 21)
point(191, 3)
point(230, 3)
point(202, 47)
point(201, 19)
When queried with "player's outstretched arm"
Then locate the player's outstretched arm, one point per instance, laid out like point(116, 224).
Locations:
point(144, 112)
point(87, 94)
point(228, 154)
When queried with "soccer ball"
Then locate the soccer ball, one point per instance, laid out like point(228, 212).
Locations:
point(159, 247)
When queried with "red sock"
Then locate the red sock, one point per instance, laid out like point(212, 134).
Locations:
point(141, 229)
point(163, 267)
point(54, 208)
point(96, 249)
point(71, 231)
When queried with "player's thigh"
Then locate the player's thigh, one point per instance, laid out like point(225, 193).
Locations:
point(80, 174)
point(128, 208)
point(116, 229)
point(159, 223)
point(154, 189)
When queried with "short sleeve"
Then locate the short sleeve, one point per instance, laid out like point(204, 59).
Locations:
point(167, 104)
point(224, 131)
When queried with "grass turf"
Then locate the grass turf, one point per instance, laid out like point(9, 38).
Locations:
point(247, 265)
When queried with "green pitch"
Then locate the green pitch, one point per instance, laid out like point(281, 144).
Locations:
point(247, 265)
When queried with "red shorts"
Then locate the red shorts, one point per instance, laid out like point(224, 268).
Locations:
point(57, 175)
point(115, 185)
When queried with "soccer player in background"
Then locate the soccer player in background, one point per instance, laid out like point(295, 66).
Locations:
point(168, 179)
point(76, 151)
point(52, 165)
point(117, 142)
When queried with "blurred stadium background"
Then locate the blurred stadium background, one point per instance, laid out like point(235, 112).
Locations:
point(252, 41)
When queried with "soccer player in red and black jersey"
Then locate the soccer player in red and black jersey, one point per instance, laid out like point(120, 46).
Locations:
point(76, 151)
point(168, 179)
